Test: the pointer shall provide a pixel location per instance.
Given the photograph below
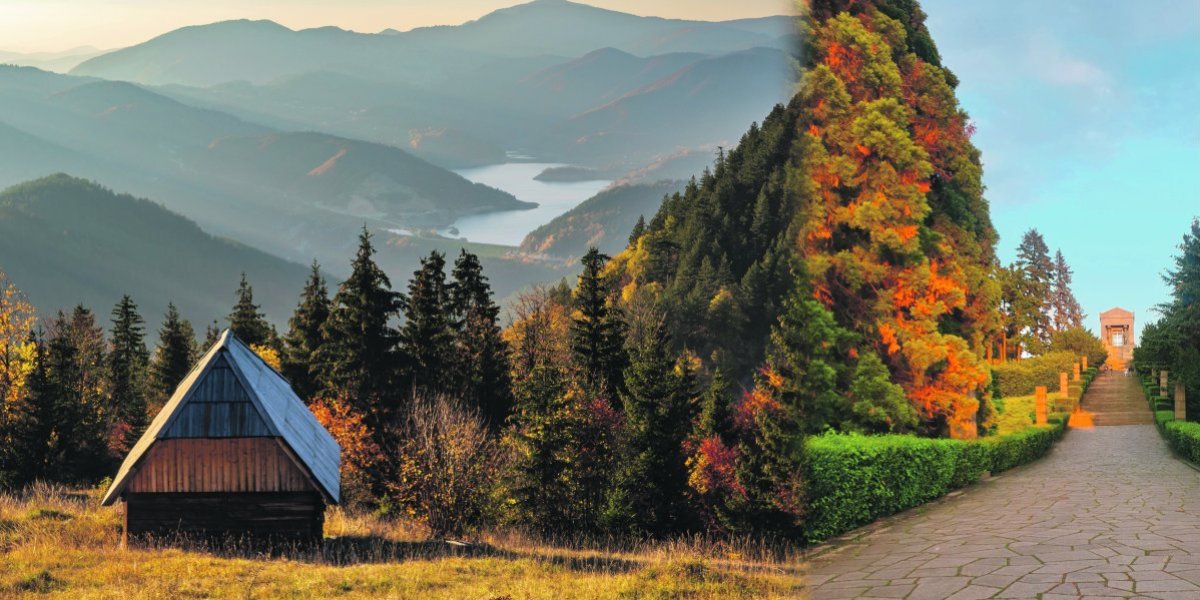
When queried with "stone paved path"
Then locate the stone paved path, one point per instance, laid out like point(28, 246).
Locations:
point(1108, 513)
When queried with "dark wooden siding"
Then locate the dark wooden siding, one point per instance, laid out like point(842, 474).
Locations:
point(295, 515)
point(219, 465)
point(218, 407)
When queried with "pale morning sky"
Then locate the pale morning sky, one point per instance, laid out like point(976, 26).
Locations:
point(55, 25)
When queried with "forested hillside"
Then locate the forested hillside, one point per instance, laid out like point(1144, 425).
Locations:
point(69, 241)
point(603, 221)
point(856, 215)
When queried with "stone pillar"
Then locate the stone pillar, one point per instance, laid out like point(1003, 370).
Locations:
point(1040, 411)
point(1162, 382)
point(1062, 386)
point(1075, 376)
point(1180, 403)
point(1083, 361)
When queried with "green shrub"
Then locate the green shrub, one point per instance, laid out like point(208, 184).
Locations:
point(1161, 417)
point(1184, 438)
point(855, 479)
point(1021, 377)
point(1022, 447)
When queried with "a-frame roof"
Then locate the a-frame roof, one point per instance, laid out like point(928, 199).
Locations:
point(1116, 311)
point(270, 408)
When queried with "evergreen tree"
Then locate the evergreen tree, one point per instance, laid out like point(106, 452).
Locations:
point(37, 453)
point(427, 335)
point(542, 436)
point(1066, 310)
point(482, 356)
point(358, 356)
point(304, 335)
point(1032, 300)
point(638, 229)
point(174, 356)
point(650, 490)
point(128, 361)
point(75, 350)
point(597, 330)
point(246, 321)
point(212, 335)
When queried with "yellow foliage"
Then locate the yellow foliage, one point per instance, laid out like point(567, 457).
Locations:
point(268, 354)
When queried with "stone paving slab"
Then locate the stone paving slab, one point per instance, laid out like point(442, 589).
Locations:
point(1109, 513)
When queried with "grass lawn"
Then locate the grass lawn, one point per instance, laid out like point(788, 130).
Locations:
point(1017, 413)
point(61, 543)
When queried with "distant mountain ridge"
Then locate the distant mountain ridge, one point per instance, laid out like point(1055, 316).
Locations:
point(67, 241)
point(212, 167)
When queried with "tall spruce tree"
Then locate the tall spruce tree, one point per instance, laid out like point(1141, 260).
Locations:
point(543, 435)
point(35, 452)
point(358, 357)
point(482, 362)
point(174, 356)
point(650, 488)
point(1065, 307)
point(427, 335)
point(128, 361)
point(246, 321)
point(78, 384)
point(1032, 300)
point(304, 335)
point(597, 330)
point(212, 334)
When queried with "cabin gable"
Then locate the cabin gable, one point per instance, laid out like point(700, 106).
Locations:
point(217, 407)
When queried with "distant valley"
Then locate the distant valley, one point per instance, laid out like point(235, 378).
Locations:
point(291, 141)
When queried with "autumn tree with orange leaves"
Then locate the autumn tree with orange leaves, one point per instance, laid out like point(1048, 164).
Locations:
point(891, 179)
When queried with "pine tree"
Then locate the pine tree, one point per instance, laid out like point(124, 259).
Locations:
point(75, 350)
point(638, 229)
point(174, 356)
point(246, 321)
point(597, 330)
point(482, 356)
point(1032, 303)
point(35, 445)
point(427, 335)
point(128, 361)
point(358, 356)
point(651, 485)
point(304, 335)
point(1066, 310)
point(542, 435)
point(212, 335)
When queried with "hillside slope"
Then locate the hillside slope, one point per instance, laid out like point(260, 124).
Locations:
point(603, 221)
point(66, 241)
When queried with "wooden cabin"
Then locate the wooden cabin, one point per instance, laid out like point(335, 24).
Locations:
point(233, 452)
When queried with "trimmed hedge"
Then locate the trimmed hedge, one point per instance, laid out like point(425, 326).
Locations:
point(1161, 417)
point(855, 479)
point(1019, 378)
point(1184, 438)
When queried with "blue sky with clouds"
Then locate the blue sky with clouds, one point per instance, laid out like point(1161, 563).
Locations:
point(1088, 116)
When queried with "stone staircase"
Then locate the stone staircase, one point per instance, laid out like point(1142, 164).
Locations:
point(1116, 399)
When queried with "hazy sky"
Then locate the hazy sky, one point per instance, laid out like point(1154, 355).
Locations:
point(54, 25)
point(1088, 120)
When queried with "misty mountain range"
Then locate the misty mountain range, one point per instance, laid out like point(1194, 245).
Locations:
point(290, 141)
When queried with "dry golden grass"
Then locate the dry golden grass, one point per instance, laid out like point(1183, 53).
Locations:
point(60, 543)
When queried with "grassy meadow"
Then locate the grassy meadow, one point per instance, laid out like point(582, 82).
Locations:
point(60, 543)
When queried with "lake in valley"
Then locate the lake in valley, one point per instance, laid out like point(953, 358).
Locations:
point(517, 178)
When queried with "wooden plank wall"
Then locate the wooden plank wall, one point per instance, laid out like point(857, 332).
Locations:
point(218, 465)
point(297, 515)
